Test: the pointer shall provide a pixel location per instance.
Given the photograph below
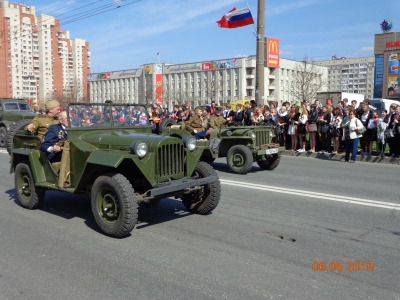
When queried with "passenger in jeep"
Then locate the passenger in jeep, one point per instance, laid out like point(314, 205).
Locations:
point(195, 125)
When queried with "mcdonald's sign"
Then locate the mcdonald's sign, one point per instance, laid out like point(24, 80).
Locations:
point(272, 51)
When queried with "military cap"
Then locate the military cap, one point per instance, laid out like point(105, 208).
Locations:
point(52, 103)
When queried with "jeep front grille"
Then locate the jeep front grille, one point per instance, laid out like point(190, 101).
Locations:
point(170, 160)
point(262, 137)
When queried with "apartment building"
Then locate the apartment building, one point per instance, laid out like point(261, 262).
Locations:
point(197, 83)
point(352, 75)
point(38, 61)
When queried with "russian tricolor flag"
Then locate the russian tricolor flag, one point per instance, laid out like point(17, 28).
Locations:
point(236, 18)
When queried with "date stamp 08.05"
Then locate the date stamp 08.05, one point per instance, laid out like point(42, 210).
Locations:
point(338, 266)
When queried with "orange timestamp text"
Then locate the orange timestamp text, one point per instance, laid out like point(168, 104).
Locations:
point(338, 266)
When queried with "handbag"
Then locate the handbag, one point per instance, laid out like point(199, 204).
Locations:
point(388, 133)
point(361, 131)
point(292, 129)
point(325, 128)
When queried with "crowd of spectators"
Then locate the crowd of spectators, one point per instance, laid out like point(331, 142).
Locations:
point(311, 127)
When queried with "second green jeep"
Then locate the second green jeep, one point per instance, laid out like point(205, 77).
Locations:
point(241, 145)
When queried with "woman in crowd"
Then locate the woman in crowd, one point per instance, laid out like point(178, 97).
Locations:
point(283, 125)
point(396, 131)
point(364, 116)
point(371, 133)
point(302, 128)
point(381, 127)
point(336, 131)
point(293, 125)
point(312, 126)
point(352, 135)
point(390, 126)
point(324, 122)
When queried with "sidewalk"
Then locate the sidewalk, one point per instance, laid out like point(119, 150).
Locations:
point(337, 157)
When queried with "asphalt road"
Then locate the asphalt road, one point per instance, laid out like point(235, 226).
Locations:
point(260, 243)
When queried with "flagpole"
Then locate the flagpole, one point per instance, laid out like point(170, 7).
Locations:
point(259, 87)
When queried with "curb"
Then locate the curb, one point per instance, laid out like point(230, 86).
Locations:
point(337, 157)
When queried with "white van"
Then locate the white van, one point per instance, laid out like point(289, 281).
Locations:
point(381, 104)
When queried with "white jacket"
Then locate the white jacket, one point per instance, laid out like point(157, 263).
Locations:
point(354, 122)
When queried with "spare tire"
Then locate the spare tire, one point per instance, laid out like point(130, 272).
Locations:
point(12, 130)
point(166, 123)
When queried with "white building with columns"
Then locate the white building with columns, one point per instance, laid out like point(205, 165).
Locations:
point(196, 83)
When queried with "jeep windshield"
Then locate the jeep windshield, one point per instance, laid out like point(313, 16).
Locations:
point(16, 106)
point(107, 115)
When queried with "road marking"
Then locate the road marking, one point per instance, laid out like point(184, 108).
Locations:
point(3, 151)
point(329, 197)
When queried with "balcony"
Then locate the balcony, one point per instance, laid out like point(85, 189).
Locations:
point(89, 53)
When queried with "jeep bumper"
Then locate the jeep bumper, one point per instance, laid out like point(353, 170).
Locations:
point(272, 151)
point(179, 185)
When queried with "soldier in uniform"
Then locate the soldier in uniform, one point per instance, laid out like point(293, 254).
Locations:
point(41, 123)
point(217, 120)
point(196, 125)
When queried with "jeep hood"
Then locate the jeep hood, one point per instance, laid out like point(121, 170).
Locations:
point(121, 140)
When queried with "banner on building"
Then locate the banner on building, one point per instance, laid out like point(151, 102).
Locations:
point(393, 74)
point(272, 53)
point(159, 89)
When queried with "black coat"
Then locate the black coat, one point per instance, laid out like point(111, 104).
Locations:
point(54, 134)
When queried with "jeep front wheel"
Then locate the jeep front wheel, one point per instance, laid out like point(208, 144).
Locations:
point(270, 164)
point(114, 205)
point(207, 198)
point(28, 194)
point(240, 159)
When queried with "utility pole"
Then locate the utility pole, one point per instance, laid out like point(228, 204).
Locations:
point(260, 56)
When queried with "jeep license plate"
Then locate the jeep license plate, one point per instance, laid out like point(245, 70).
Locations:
point(271, 151)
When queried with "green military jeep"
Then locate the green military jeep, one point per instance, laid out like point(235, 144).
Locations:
point(241, 145)
point(120, 164)
point(11, 111)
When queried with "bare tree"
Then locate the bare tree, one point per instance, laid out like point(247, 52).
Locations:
point(210, 85)
point(306, 80)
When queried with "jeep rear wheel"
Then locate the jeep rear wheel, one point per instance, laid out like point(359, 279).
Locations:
point(240, 159)
point(3, 137)
point(28, 194)
point(207, 198)
point(270, 164)
point(168, 122)
point(12, 130)
point(114, 205)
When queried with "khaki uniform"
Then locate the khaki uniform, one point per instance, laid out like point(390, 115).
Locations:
point(42, 123)
point(195, 122)
point(217, 121)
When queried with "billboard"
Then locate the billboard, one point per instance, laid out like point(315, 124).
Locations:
point(272, 53)
point(159, 89)
point(393, 74)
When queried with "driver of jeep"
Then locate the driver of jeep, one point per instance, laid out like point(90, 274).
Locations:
point(41, 123)
point(217, 120)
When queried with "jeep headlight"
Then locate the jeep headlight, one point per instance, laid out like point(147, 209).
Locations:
point(139, 148)
point(253, 135)
point(190, 142)
point(270, 134)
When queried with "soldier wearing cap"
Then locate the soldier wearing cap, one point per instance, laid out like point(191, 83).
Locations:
point(41, 123)
point(216, 120)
